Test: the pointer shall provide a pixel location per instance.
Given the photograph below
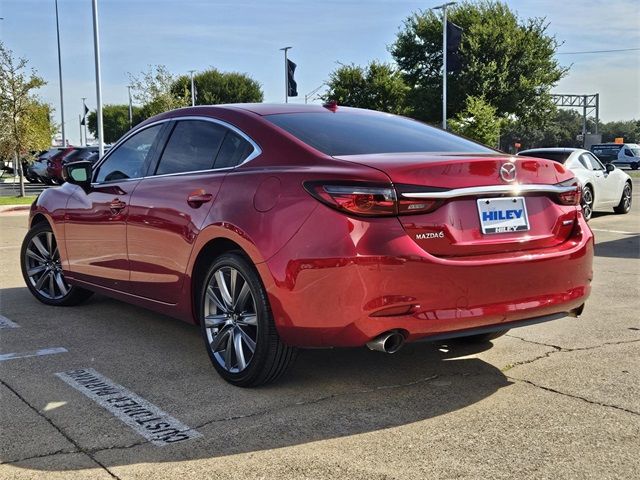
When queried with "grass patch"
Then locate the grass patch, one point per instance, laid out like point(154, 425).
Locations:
point(633, 173)
point(28, 200)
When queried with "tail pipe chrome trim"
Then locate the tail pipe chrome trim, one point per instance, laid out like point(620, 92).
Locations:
point(389, 342)
point(493, 190)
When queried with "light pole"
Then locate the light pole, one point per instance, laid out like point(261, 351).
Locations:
point(96, 47)
point(193, 91)
point(64, 137)
point(130, 108)
point(286, 74)
point(84, 117)
point(443, 7)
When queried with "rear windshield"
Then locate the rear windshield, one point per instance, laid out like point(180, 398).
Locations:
point(350, 133)
point(559, 157)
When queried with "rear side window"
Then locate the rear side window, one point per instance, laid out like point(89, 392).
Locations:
point(128, 159)
point(234, 151)
point(193, 146)
point(352, 133)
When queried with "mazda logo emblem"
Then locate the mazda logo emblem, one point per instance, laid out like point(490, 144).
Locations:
point(508, 172)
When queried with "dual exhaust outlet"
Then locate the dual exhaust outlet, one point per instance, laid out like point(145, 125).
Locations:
point(389, 342)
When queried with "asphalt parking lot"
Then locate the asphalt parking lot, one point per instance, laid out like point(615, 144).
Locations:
point(556, 400)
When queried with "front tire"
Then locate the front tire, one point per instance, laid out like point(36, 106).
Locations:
point(587, 202)
point(625, 200)
point(42, 271)
point(237, 324)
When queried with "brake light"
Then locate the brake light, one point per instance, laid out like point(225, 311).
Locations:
point(571, 197)
point(369, 200)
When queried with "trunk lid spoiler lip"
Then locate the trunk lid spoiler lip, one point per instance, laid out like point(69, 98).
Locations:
point(511, 190)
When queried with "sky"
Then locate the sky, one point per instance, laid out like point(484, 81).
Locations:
point(245, 36)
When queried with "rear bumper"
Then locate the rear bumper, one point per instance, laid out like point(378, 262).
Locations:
point(342, 282)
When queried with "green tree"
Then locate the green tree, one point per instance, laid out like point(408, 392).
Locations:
point(378, 86)
point(506, 60)
point(478, 121)
point(214, 87)
point(154, 90)
point(627, 129)
point(115, 121)
point(21, 115)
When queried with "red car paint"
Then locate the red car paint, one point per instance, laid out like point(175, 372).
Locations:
point(54, 164)
point(332, 279)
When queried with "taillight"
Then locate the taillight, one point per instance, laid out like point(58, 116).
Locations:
point(572, 196)
point(365, 200)
point(369, 200)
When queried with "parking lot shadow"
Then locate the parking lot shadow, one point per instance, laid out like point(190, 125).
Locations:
point(327, 394)
point(625, 247)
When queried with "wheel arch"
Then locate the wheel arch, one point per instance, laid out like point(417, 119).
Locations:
point(39, 218)
point(211, 250)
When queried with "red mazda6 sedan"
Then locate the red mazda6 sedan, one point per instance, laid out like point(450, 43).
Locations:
point(282, 226)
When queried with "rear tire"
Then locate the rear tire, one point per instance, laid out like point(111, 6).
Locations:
point(634, 166)
point(587, 202)
point(46, 181)
point(625, 200)
point(237, 324)
point(42, 272)
point(484, 337)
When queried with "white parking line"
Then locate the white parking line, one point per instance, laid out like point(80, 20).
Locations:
point(142, 416)
point(36, 353)
point(6, 323)
point(614, 231)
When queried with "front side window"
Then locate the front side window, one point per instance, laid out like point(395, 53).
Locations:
point(128, 159)
point(593, 162)
point(193, 146)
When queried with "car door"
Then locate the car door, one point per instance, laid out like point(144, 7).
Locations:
point(95, 221)
point(170, 205)
point(608, 184)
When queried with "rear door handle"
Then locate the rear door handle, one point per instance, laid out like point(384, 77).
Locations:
point(116, 206)
point(196, 199)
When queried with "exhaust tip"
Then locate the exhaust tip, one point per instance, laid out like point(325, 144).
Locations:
point(576, 312)
point(389, 342)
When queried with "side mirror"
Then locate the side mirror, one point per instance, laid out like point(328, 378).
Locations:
point(610, 167)
point(78, 173)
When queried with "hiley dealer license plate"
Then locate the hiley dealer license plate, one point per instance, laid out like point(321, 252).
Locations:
point(503, 215)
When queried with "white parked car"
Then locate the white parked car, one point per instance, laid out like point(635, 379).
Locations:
point(603, 187)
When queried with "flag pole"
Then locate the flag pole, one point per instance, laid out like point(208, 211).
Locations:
point(443, 7)
point(64, 137)
point(80, 126)
point(96, 47)
point(286, 75)
point(193, 92)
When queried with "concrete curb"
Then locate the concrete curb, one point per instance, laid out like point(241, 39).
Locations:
point(14, 208)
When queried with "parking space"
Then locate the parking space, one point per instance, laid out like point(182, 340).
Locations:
point(556, 400)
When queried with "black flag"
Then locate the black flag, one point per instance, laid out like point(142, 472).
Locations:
point(454, 39)
point(292, 86)
point(82, 121)
point(86, 110)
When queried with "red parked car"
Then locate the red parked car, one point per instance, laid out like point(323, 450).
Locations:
point(283, 226)
point(53, 175)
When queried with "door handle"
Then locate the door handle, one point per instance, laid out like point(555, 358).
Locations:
point(197, 198)
point(116, 206)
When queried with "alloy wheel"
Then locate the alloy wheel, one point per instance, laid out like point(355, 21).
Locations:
point(626, 197)
point(43, 268)
point(587, 203)
point(230, 319)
